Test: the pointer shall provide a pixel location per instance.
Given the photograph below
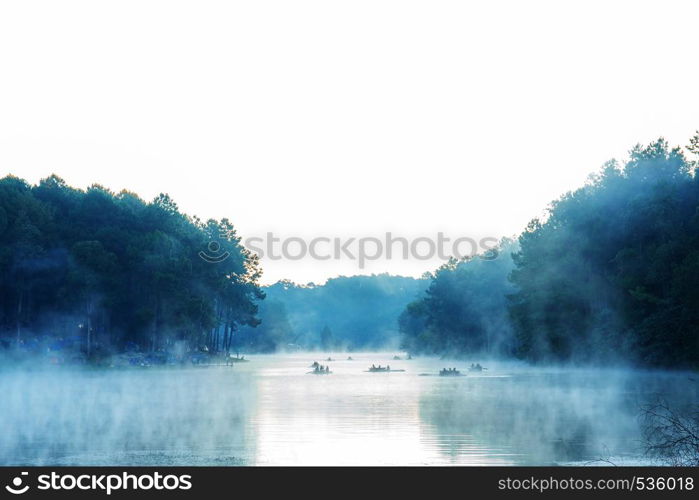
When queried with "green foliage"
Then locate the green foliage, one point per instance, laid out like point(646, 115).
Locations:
point(464, 309)
point(610, 275)
point(327, 339)
point(116, 271)
point(612, 272)
point(357, 312)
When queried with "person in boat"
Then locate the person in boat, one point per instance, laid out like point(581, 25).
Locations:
point(349, 358)
point(388, 368)
point(327, 369)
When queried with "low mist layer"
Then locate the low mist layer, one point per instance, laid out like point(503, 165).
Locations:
point(85, 416)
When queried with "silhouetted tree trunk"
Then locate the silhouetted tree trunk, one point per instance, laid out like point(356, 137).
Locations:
point(88, 323)
point(19, 318)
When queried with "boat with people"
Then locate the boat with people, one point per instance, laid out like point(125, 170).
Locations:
point(382, 369)
point(450, 372)
point(320, 370)
point(476, 367)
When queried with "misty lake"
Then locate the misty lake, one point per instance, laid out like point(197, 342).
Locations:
point(271, 412)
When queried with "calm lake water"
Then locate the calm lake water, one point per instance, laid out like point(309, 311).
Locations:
point(271, 412)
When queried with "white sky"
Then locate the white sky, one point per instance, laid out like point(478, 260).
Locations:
point(352, 118)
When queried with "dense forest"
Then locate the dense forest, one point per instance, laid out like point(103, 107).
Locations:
point(357, 312)
point(98, 272)
point(610, 274)
point(464, 309)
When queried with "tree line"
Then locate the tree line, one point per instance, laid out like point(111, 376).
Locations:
point(109, 272)
point(609, 274)
point(347, 312)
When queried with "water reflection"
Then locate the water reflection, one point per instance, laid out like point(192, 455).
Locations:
point(535, 417)
point(271, 412)
point(350, 417)
point(168, 417)
point(531, 421)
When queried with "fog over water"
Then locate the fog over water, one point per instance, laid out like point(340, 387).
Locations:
point(270, 411)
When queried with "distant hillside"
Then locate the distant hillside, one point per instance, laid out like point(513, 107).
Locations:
point(358, 312)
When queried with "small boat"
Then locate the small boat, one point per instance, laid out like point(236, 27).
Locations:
point(237, 359)
point(444, 372)
point(319, 369)
point(382, 369)
point(476, 368)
